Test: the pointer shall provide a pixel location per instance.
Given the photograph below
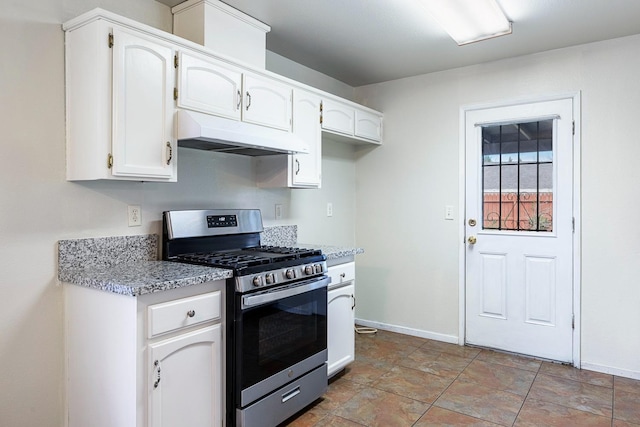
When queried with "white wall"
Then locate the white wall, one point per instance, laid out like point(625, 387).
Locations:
point(38, 207)
point(408, 276)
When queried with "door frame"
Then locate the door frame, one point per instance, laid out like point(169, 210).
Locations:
point(575, 97)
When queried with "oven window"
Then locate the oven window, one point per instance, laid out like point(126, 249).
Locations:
point(278, 335)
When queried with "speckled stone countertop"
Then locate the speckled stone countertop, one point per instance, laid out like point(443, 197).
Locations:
point(143, 277)
point(127, 265)
point(333, 252)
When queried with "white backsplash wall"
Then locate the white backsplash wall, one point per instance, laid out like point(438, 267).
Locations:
point(39, 207)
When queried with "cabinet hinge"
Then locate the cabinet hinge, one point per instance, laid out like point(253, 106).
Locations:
point(175, 61)
point(320, 112)
point(175, 93)
point(573, 127)
point(573, 321)
point(109, 161)
point(110, 40)
point(573, 224)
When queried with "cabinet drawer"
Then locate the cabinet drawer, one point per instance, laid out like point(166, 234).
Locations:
point(342, 274)
point(172, 315)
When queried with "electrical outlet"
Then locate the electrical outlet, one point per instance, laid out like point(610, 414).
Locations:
point(278, 211)
point(329, 209)
point(134, 215)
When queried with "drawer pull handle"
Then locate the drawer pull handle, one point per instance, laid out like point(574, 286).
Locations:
point(191, 313)
point(343, 275)
point(291, 394)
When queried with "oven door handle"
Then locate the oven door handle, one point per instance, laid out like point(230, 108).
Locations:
point(266, 297)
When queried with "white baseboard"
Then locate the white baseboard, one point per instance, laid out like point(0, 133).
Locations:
point(610, 370)
point(452, 339)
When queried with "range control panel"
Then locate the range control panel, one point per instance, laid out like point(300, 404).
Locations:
point(220, 221)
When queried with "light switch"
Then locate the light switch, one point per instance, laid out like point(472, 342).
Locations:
point(448, 212)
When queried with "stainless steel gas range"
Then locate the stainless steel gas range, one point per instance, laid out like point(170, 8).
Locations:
point(276, 312)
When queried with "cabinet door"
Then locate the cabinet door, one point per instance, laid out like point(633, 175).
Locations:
point(185, 382)
point(337, 117)
point(307, 168)
point(368, 125)
point(266, 102)
point(209, 87)
point(340, 329)
point(143, 76)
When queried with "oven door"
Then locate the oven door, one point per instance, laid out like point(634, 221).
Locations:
point(281, 334)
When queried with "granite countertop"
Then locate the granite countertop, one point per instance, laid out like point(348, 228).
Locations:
point(128, 265)
point(143, 277)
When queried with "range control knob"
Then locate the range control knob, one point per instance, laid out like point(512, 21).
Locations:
point(317, 268)
point(257, 281)
point(308, 269)
point(270, 278)
point(290, 274)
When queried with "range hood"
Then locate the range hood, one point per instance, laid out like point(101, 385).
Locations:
point(212, 133)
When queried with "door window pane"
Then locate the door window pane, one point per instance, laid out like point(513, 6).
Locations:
point(517, 176)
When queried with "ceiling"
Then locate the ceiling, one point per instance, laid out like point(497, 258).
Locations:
point(368, 41)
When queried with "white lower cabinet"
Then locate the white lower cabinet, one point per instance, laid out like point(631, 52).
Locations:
point(341, 317)
point(148, 361)
point(184, 383)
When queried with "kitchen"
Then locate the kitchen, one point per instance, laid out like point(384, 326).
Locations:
point(40, 207)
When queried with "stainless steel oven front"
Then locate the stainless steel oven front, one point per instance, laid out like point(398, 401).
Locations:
point(280, 351)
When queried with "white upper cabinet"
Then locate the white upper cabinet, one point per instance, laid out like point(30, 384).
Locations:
point(120, 108)
point(267, 102)
point(297, 170)
point(351, 121)
point(142, 107)
point(337, 117)
point(209, 86)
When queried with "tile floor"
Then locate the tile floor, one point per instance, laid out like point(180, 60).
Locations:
point(399, 380)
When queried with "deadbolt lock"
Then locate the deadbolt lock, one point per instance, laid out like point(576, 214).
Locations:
point(472, 222)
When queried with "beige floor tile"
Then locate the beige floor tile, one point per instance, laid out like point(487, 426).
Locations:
point(626, 406)
point(486, 403)
point(402, 339)
point(573, 394)
point(500, 377)
point(626, 384)
point(511, 360)
point(413, 384)
point(536, 413)
point(335, 421)
point(620, 423)
point(366, 372)
point(444, 418)
point(455, 349)
point(377, 408)
point(437, 363)
point(569, 372)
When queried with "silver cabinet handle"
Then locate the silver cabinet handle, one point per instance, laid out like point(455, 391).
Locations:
point(248, 100)
point(239, 99)
point(170, 149)
point(157, 369)
point(353, 305)
point(191, 313)
point(298, 168)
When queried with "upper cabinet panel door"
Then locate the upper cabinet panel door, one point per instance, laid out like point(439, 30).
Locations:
point(307, 168)
point(337, 117)
point(143, 76)
point(266, 102)
point(368, 125)
point(209, 87)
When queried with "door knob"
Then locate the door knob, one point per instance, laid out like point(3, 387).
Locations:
point(472, 240)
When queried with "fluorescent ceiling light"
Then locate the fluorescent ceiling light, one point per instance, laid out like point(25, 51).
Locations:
point(469, 21)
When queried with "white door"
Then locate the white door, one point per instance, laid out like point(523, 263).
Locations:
point(519, 228)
